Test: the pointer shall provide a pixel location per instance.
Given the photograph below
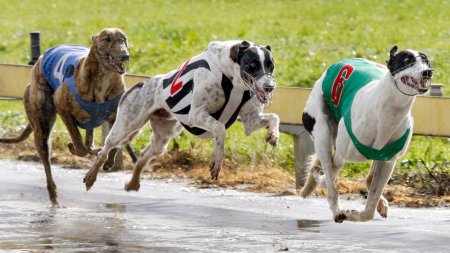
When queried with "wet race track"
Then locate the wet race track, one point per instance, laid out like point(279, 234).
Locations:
point(176, 217)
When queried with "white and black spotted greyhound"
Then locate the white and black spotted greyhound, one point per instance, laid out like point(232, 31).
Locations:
point(205, 95)
point(363, 111)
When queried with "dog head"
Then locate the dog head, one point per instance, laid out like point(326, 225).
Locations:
point(111, 49)
point(411, 70)
point(256, 68)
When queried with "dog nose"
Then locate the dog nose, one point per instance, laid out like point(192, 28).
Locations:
point(268, 89)
point(427, 74)
point(125, 57)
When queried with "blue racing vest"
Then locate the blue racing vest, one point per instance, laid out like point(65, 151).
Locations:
point(58, 65)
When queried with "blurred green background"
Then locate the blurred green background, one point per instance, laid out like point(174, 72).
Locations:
point(306, 36)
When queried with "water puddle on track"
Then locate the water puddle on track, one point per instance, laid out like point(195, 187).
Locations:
point(176, 217)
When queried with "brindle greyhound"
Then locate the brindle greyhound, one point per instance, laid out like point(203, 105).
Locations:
point(83, 86)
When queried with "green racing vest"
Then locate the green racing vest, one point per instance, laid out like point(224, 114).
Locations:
point(342, 81)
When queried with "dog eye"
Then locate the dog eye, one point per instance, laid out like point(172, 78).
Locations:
point(107, 39)
point(253, 66)
point(425, 59)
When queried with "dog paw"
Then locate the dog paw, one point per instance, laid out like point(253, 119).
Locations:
point(75, 151)
point(94, 151)
point(214, 169)
point(340, 217)
point(215, 164)
point(272, 138)
point(304, 193)
point(108, 165)
point(132, 186)
point(89, 180)
point(317, 173)
point(383, 207)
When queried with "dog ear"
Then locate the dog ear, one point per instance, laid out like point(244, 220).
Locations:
point(242, 47)
point(126, 41)
point(237, 50)
point(390, 62)
point(234, 52)
point(94, 38)
point(268, 48)
point(392, 52)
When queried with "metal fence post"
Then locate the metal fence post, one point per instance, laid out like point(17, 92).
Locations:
point(303, 148)
point(436, 90)
point(35, 47)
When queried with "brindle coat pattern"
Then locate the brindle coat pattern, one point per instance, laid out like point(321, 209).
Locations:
point(98, 77)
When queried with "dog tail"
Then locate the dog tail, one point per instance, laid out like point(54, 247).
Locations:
point(28, 130)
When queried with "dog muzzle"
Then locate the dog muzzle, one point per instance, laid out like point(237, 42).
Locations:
point(262, 92)
point(118, 62)
point(414, 83)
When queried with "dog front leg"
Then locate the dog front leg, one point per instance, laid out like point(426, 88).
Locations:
point(253, 119)
point(112, 154)
point(76, 147)
point(330, 166)
point(383, 204)
point(381, 175)
point(89, 142)
point(198, 117)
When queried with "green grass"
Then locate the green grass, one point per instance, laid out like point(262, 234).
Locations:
point(305, 36)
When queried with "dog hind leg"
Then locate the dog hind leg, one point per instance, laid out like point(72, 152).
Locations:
point(163, 131)
point(122, 131)
point(323, 145)
point(42, 116)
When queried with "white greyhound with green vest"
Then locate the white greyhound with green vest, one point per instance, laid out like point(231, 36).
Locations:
point(363, 110)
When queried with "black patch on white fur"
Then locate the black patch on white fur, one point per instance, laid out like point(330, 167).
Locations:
point(186, 89)
point(308, 122)
point(191, 66)
point(269, 62)
point(401, 61)
point(252, 63)
point(227, 86)
point(234, 51)
point(404, 59)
